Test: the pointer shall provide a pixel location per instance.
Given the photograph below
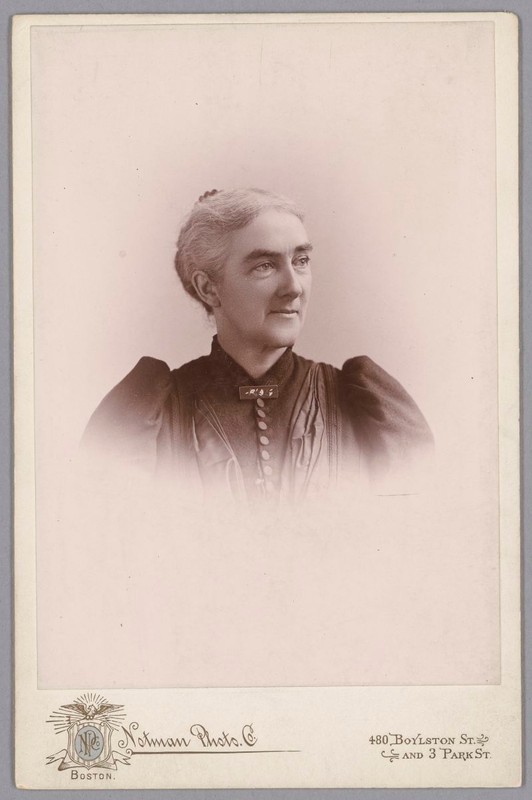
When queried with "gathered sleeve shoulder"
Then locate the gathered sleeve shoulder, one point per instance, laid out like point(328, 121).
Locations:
point(128, 420)
point(389, 426)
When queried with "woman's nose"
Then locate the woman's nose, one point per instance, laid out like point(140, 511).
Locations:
point(289, 283)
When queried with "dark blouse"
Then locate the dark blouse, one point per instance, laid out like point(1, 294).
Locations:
point(297, 430)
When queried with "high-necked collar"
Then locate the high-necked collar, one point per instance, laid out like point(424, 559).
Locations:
point(230, 372)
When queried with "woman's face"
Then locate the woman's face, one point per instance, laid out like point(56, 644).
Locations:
point(265, 284)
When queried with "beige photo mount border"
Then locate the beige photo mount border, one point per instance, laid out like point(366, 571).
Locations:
point(285, 720)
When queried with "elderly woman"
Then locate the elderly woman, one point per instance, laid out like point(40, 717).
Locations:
point(253, 418)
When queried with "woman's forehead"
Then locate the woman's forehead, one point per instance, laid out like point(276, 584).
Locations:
point(272, 230)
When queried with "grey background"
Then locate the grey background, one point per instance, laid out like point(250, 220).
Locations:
point(10, 7)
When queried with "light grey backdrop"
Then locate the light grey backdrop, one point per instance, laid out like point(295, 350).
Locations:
point(11, 7)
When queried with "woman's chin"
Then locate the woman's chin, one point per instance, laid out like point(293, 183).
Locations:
point(283, 338)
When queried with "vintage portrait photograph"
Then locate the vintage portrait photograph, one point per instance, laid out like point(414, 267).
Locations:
point(259, 277)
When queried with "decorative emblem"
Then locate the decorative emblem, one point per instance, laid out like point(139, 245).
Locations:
point(392, 755)
point(90, 722)
point(252, 392)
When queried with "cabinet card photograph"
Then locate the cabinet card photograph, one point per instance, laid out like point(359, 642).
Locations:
point(266, 400)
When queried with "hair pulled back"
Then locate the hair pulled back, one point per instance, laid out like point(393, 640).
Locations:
point(203, 239)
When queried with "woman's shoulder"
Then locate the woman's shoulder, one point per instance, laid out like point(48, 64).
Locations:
point(129, 409)
point(376, 400)
point(141, 389)
point(128, 423)
point(140, 395)
point(369, 381)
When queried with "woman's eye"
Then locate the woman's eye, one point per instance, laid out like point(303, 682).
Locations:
point(266, 266)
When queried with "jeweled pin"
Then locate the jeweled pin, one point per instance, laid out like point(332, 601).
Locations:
point(255, 392)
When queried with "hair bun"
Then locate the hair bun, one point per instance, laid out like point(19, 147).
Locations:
point(205, 195)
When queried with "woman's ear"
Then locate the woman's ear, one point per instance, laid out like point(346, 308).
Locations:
point(205, 288)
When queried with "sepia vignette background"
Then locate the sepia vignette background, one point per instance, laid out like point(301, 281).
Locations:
point(385, 134)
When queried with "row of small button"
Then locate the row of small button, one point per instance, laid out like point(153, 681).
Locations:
point(264, 441)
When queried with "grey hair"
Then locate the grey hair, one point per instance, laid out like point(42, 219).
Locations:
point(203, 239)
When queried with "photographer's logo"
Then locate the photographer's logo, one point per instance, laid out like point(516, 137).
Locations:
point(89, 723)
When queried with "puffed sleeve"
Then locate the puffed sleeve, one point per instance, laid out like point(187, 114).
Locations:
point(389, 427)
point(126, 424)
